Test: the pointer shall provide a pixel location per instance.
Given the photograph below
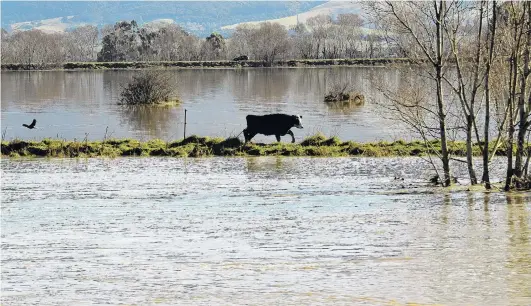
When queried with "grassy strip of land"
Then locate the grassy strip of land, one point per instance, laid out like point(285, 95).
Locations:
point(195, 146)
point(207, 64)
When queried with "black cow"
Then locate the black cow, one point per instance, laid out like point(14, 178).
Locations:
point(241, 58)
point(274, 124)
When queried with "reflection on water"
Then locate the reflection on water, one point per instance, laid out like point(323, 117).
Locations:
point(344, 108)
point(70, 104)
point(519, 257)
point(261, 231)
point(153, 120)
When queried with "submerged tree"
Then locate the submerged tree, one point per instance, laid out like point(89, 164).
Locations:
point(417, 28)
point(148, 88)
point(515, 32)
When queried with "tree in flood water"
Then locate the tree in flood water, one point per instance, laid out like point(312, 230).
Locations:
point(417, 28)
point(515, 32)
point(459, 44)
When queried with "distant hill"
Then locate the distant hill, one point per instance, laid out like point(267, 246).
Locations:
point(331, 8)
point(199, 17)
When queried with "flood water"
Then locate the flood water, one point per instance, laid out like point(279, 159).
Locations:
point(260, 231)
point(79, 104)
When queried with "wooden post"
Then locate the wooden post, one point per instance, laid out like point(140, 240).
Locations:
point(185, 123)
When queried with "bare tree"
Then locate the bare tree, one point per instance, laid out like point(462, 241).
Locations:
point(350, 26)
point(81, 43)
point(514, 29)
point(266, 43)
point(239, 43)
point(467, 50)
point(489, 45)
point(419, 29)
point(319, 26)
point(6, 53)
point(174, 44)
point(33, 47)
point(301, 42)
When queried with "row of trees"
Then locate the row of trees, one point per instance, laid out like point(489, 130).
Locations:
point(474, 79)
point(320, 37)
point(35, 46)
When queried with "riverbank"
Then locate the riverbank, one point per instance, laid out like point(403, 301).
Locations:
point(207, 64)
point(195, 146)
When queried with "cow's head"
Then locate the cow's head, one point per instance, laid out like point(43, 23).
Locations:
point(298, 121)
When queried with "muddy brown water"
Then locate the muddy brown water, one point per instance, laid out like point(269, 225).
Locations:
point(259, 231)
point(79, 104)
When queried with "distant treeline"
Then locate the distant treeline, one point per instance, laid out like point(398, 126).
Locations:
point(321, 37)
point(209, 64)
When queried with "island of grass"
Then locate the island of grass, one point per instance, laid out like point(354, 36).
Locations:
point(195, 146)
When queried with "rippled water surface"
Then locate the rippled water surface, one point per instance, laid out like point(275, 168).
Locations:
point(260, 231)
point(79, 104)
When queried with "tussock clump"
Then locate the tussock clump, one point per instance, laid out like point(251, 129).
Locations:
point(320, 140)
point(200, 151)
point(232, 142)
point(228, 147)
point(159, 152)
point(356, 150)
point(400, 142)
point(315, 140)
point(255, 151)
point(194, 139)
point(38, 150)
point(132, 151)
point(332, 141)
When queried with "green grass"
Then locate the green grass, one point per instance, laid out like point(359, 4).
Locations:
point(196, 146)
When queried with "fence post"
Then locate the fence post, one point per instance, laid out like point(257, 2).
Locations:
point(185, 123)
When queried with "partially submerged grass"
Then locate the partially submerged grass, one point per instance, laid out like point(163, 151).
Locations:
point(196, 146)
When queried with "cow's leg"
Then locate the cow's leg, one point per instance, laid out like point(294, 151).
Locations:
point(278, 137)
point(292, 136)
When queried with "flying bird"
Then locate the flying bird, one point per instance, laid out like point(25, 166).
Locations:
point(32, 125)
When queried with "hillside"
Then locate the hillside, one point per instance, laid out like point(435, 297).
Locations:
point(199, 17)
point(331, 8)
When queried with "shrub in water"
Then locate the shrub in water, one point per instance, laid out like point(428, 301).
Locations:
point(147, 88)
point(343, 92)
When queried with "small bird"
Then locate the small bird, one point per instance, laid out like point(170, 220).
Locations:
point(32, 125)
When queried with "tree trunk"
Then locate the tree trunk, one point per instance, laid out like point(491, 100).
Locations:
point(510, 140)
point(523, 114)
point(486, 178)
point(445, 158)
point(510, 122)
point(520, 140)
point(469, 160)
